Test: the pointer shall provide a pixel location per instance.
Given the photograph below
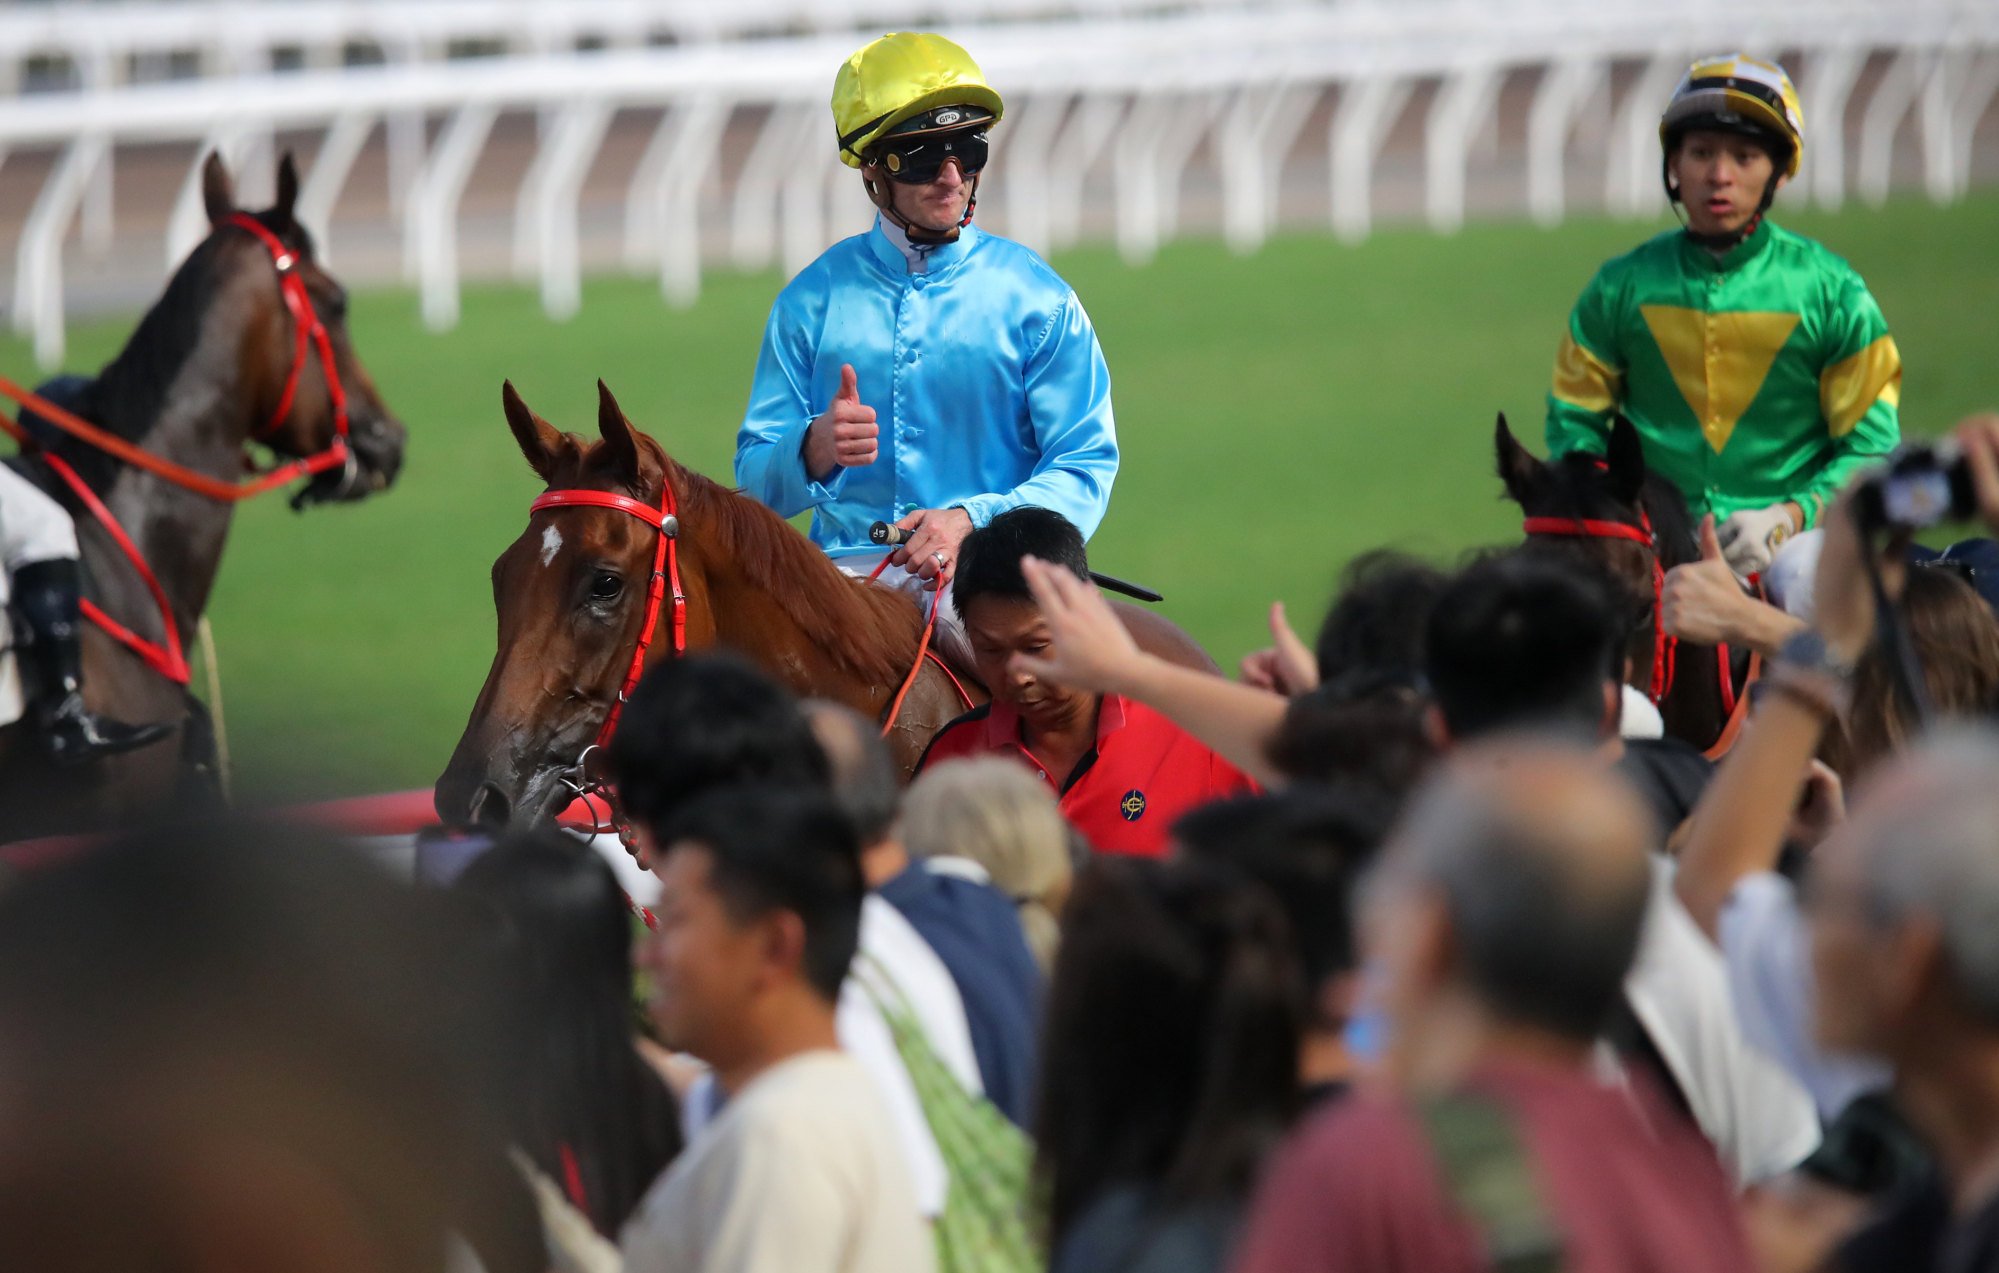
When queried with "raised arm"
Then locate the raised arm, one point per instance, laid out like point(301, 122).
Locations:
point(1090, 650)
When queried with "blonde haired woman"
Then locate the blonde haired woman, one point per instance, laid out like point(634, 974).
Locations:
point(990, 817)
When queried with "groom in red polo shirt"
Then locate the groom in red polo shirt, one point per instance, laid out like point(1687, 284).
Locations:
point(1123, 772)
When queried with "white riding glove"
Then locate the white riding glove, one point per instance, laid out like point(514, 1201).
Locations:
point(1750, 538)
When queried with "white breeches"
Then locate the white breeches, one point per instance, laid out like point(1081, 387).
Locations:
point(950, 638)
point(33, 527)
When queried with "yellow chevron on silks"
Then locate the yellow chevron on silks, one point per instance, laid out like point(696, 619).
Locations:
point(1719, 361)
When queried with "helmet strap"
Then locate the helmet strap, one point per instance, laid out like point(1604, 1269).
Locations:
point(882, 195)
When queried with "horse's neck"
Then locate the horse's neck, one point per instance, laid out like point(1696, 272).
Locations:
point(197, 419)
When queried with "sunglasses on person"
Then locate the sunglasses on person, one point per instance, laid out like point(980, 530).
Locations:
point(918, 160)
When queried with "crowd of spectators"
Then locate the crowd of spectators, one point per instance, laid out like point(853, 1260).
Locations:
point(1402, 951)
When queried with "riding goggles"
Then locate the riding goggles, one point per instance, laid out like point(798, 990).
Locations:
point(919, 159)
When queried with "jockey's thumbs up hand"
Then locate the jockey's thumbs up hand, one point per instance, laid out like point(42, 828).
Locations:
point(1702, 601)
point(845, 435)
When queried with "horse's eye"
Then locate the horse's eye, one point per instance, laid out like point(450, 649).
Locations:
point(606, 587)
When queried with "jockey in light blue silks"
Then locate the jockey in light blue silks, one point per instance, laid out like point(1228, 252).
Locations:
point(925, 373)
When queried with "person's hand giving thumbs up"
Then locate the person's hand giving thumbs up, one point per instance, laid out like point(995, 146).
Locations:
point(845, 435)
point(1703, 602)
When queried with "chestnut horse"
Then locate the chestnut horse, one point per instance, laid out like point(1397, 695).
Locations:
point(1589, 497)
point(218, 360)
point(571, 594)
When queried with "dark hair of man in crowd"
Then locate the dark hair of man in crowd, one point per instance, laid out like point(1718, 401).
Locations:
point(1374, 739)
point(557, 931)
point(773, 848)
point(1524, 641)
point(1545, 921)
point(1376, 628)
point(1172, 1035)
point(233, 1038)
point(704, 721)
point(867, 784)
point(989, 559)
point(1309, 847)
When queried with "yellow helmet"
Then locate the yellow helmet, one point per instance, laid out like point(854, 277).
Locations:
point(899, 76)
point(1738, 94)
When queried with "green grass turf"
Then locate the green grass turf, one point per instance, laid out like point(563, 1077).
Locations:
point(1278, 414)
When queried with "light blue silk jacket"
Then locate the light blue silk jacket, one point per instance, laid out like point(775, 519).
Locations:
point(985, 375)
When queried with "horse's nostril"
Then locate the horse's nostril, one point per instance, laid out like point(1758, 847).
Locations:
point(489, 807)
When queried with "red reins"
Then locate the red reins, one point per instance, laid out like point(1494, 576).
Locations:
point(1665, 648)
point(166, 656)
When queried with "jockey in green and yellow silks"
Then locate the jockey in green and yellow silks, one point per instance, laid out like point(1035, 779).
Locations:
point(1755, 364)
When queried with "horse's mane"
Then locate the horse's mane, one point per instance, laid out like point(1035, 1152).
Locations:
point(871, 631)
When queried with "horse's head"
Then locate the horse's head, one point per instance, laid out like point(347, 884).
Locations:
point(271, 355)
point(571, 595)
point(1614, 488)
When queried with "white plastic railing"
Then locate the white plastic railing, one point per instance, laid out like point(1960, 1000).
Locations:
point(1133, 95)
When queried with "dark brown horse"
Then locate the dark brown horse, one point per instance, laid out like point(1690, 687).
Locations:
point(1618, 489)
point(204, 372)
point(571, 599)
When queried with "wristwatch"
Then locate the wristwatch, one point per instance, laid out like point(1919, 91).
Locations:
point(1806, 651)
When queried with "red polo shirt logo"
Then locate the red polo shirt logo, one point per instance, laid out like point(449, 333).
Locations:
point(1124, 795)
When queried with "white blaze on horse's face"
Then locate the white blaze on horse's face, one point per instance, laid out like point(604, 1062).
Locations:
point(551, 544)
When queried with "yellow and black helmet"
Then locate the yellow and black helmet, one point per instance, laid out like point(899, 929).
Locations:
point(908, 84)
point(1737, 94)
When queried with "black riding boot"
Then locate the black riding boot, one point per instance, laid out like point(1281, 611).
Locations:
point(48, 595)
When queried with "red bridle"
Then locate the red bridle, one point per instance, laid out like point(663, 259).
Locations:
point(1665, 649)
point(167, 656)
point(307, 329)
point(665, 574)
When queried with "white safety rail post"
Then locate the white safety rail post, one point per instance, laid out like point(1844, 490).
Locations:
point(803, 193)
point(1974, 98)
point(693, 139)
point(753, 219)
point(1366, 111)
point(330, 168)
point(1024, 149)
point(1894, 94)
point(1160, 138)
point(1077, 148)
point(433, 211)
point(38, 260)
point(1255, 136)
point(1632, 174)
point(1461, 110)
point(545, 212)
point(1827, 84)
point(100, 74)
point(1564, 89)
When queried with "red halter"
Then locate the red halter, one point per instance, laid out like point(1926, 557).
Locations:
point(166, 656)
point(665, 573)
point(1665, 649)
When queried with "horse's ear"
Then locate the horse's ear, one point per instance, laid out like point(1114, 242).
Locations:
point(1626, 457)
point(1520, 469)
point(218, 193)
point(621, 446)
point(281, 211)
point(541, 442)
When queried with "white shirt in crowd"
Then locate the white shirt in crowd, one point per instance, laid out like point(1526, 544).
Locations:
point(799, 1173)
point(890, 944)
point(1761, 1120)
point(1764, 942)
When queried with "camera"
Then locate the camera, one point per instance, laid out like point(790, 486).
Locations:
point(1921, 486)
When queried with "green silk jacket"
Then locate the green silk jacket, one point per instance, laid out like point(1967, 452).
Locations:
point(1764, 375)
